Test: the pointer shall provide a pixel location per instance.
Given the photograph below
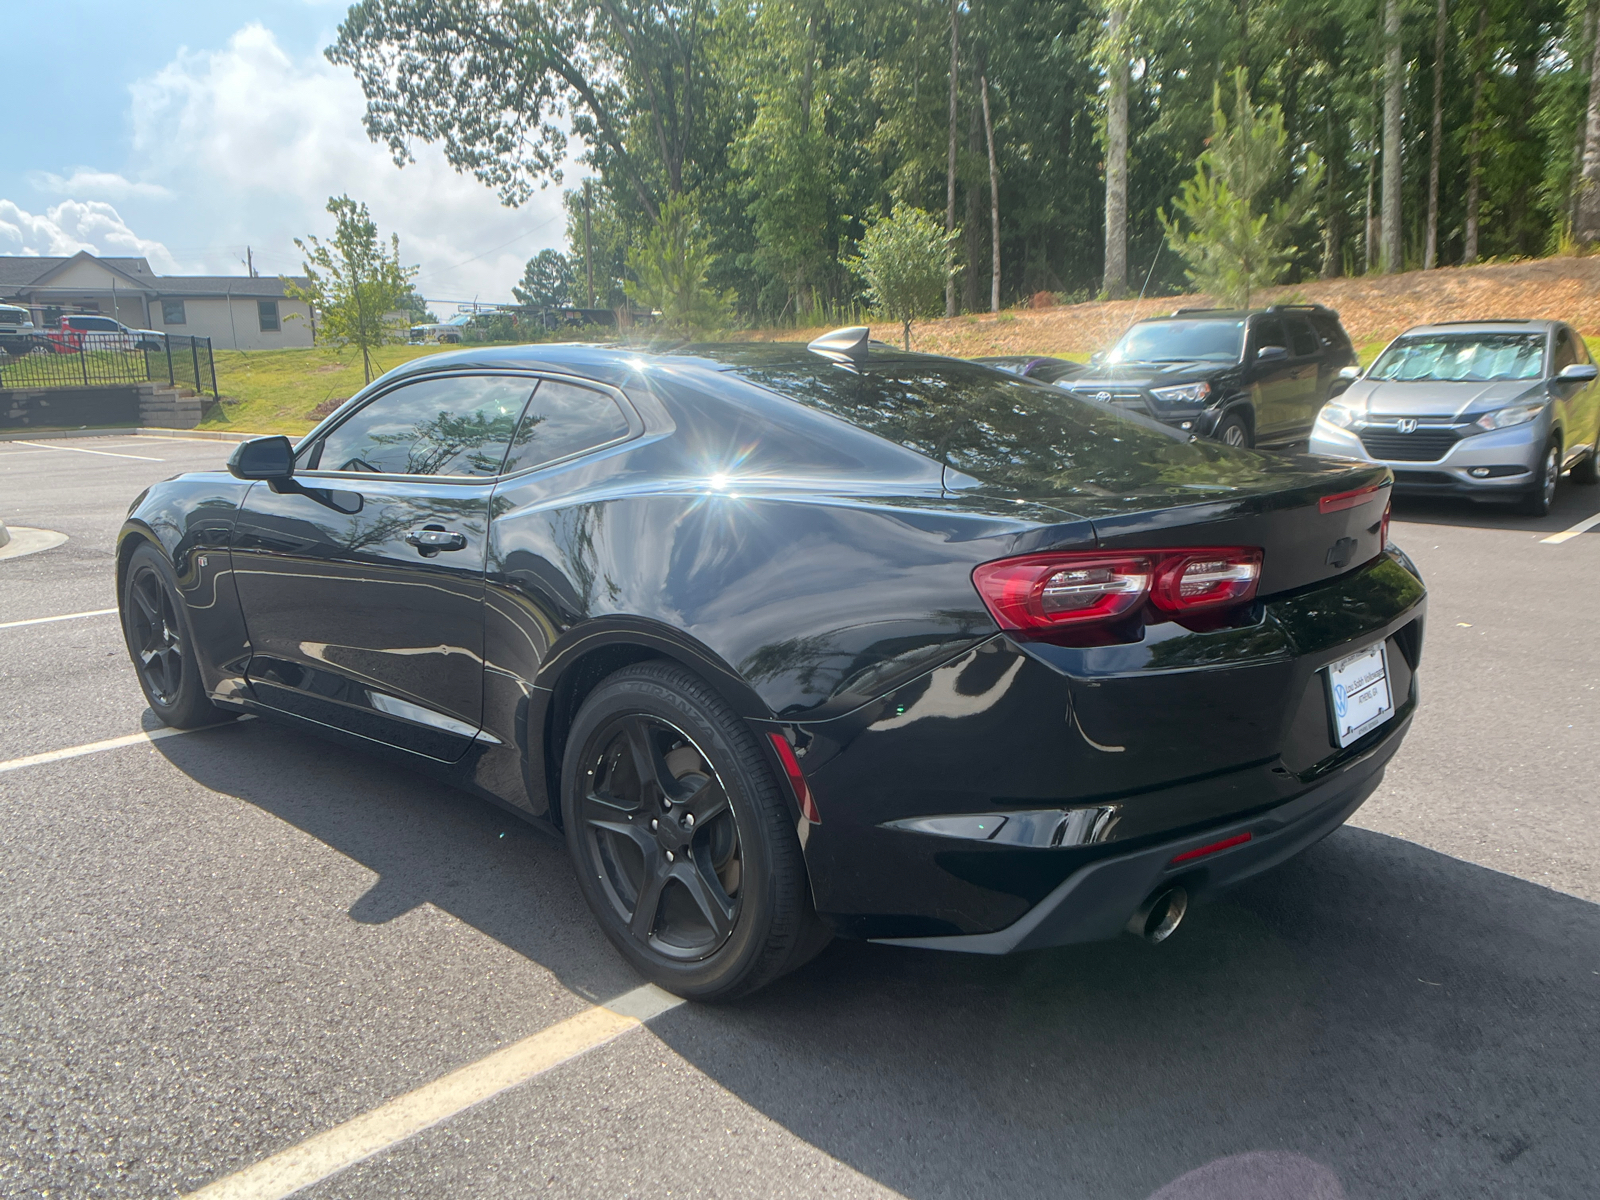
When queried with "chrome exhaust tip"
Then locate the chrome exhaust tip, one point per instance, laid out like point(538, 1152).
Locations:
point(1160, 915)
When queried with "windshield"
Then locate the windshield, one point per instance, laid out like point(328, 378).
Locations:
point(1031, 439)
point(1462, 358)
point(1180, 341)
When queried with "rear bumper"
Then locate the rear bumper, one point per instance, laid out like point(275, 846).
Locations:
point(1095, 903)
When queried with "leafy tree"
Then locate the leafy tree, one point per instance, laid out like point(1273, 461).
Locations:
point(418, 308)
point(670, 264)
point(547, 281)
point(1231, 248)
point(906, 259)
point(354, 283)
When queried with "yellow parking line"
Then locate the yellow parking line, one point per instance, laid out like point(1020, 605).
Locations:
point(98, 612)
point(1583, 526)
point(343, 1146)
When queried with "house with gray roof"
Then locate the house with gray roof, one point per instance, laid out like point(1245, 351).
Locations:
point(237, 312)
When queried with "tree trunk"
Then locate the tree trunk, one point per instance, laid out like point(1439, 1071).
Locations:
point(950, 164)
point(974, 236)
point(994, 199)
point(1586, 228)
point(1333, 228)
point(1115, 284)
point(1369, 240)
point(588, 255)
point(1430, 252)
point(1469, 252)
point(1585, 67)
point(806, 72)
point(1394, 81)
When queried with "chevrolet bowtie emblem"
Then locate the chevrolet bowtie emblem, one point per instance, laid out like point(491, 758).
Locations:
point(1340, 553)
point(1406, 425)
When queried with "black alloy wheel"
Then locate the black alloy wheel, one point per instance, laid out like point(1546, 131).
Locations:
point(685, 849)
point(1538, 501)
point(1233, 432)
point(155, 625)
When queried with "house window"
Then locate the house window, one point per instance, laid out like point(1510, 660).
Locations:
point(268, 310)
point(172, 312)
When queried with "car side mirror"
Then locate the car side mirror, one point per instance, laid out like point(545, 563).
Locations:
point(1578, 373)
point(1350, 374)
point(1272, 353)
point(262, 458)
point(1099, 356)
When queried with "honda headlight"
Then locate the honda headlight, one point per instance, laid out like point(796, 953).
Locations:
point(1188, 395)
point(1511, 414)
point(1340, 416)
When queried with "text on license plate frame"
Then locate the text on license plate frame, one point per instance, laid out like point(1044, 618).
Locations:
point(1352, 715)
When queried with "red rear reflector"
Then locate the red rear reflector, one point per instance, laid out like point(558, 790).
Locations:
point(1344, 500)
point(1237, 839)
point(797, 781)
point(1383, 528)
point(1037, 593)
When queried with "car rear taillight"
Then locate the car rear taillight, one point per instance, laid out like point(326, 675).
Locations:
point(1037, 593)
point(1383, 528)
point(1211, 578)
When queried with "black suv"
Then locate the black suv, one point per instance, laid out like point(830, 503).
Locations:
point(1253, 377)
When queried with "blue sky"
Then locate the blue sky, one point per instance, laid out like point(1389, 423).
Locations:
point(187, 131)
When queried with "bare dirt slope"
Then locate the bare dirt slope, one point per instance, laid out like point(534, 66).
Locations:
point(1373, 308)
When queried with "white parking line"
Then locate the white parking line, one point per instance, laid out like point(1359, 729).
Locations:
point(98, 612)
point(1583, 526)
point(85, 450)
point(404, 1117)
point(131, 739)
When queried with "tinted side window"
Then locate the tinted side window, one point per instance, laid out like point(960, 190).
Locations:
point(1302, 342)
point(451, 426)
point(1566, 352)
point(564, 419)
point(1270, 333)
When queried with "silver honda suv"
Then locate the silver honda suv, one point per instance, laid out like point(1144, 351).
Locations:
point(1483, 409)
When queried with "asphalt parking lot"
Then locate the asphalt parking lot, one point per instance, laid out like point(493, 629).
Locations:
point(216, 946)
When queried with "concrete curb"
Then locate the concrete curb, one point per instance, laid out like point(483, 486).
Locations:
point(205, 435)
point(5, 535)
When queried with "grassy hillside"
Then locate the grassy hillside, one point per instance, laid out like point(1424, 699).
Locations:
point(285, 391)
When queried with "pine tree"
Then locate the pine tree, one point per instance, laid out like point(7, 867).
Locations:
point(1230, 247)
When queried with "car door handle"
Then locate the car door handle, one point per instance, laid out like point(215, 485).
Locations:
point(431, 541)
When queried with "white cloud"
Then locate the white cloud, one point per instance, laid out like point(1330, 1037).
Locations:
point(75, 225)
point(85, 181)
point(252, 142)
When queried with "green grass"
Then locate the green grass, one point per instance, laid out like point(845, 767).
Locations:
point(280, 391)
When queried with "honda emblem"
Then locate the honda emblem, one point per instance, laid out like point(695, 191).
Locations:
point(1406, 425)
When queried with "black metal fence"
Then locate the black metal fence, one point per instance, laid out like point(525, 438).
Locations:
point(70, 358)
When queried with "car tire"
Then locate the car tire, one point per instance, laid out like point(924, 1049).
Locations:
point(160, 640)
point(1587, 472)
point(1538, 500)
point(690, 862)
point(1233, 430)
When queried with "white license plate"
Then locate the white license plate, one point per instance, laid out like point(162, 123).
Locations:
point(1358, 693)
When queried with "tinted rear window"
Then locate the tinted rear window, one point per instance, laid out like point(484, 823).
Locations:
point(1028, 437)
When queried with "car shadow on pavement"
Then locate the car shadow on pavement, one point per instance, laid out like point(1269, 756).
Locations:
point(1572, 504)
point(1372, 1019)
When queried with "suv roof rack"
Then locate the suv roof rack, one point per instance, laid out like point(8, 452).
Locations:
point(1300, 308)
point(1492, 321)
point(1180, 311)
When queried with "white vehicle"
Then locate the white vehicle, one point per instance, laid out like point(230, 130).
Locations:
point(17, 332)
point(85, 331)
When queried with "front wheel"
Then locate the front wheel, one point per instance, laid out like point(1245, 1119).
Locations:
point(1233, 431)
point(1537, 502)
point(685, 849)
point(155, 624)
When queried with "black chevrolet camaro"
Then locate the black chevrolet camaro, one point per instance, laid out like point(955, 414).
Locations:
point(797, 642)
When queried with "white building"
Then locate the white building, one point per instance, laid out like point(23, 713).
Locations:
point(237, 312)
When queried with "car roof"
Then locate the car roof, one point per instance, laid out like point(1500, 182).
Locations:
point(1497, 325)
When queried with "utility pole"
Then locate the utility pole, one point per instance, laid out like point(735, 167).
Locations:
point(588, 258)
point(249, 262)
